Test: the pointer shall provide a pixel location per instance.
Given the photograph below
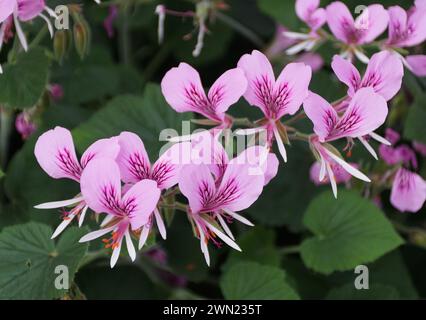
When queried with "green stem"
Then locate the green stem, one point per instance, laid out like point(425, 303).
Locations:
point(5, 129)
point(176, 205)
point(124, 37)
point(290, 250)
point(39, 37)
point(157, 62)
point(237, 26)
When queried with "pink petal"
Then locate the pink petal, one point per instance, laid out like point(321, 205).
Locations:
point(55, 153)
point(317, 19)
point(389, 155)
point(420, 148)
point(271, 167)
point(366, 112)
point(340, 21)
point(417, 64)
point(165, 170)
point(184, 92)
point(197, 185)
point(260, 77)
point(291, 88)
point(101, 186)
point(416, 26)
point(132, 159)
point(7, 7)
point(304, 8)
point(29, 9)
point(208, 150)
point(347, 73)
point(140, 201)
point(372, 22)
point(408, 191)
point(322, 115)
point(240, 188)
point(397, 24)
point(227, 90)
point(260, 160)
point(103, 148)
point(384, 74)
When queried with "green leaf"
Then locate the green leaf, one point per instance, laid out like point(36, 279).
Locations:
point(281, 11)
point(146, 116)
point(252, 281)
point(24, 81)
point(263, 252)
point(414, 128)
point(374, 292)
point(348, 231)
point(28, 259)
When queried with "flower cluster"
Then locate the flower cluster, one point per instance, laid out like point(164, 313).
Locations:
point(405, 29)
point(13, 12)
point(118, 180)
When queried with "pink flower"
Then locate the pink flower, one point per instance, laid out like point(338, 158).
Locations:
point(389, 154)
point(314, 17)
point(417, 64)
point(56, 155)
point(109, 21)
point(184, 92)
point(366, 112)
point(210, 200)
point(364, 29)
point(56, 91)
point(407, 156)
point(24, 125)
point(206, 149)
point(309, 12)
point(408, 191)
point(135, 166)
point(384, 74)
point(407, 28)
point(420, 148)
point(340, 174)
point(392, 136)
point(22, 10)
point(275, 97)
point(101, 188)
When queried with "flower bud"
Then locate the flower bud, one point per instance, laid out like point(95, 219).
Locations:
point(81, 37)
point(61, 44)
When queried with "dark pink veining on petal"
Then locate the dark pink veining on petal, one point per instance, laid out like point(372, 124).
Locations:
point(138, 166)
point(68, 164)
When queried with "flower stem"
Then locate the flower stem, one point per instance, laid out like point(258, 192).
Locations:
point(237, 26)
point(125, 41)
point(290, 250)
point(5, 129)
